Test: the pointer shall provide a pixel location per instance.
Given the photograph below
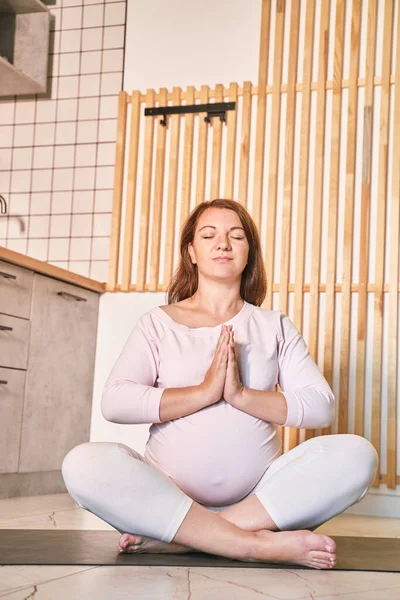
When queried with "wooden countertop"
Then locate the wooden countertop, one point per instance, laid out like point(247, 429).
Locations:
point(52, 271)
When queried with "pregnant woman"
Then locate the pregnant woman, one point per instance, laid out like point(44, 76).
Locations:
point(203, 370)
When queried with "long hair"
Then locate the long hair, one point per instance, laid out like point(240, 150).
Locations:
point(253, 284)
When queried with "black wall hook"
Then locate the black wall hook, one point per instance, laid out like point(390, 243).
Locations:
point(213, 109)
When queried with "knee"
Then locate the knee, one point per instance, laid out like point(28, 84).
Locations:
point(73, 465)
point(363, 457)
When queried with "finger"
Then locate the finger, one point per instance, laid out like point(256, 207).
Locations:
point(224, 337)
point(220, 339)
point(223, 352)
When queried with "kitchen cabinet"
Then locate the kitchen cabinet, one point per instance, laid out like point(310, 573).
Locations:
point(48, 332)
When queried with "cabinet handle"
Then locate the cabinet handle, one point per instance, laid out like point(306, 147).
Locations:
point(5, 328)
point(7, 275)
point(2, 381)
point(78, 298)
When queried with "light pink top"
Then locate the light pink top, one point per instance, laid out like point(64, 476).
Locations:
point(219, 453)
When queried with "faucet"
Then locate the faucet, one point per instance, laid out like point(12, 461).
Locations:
point(4, 211)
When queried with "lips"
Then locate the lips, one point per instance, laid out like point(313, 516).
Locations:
point(222, 259)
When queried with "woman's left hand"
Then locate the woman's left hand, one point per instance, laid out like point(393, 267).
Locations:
point(234, 388)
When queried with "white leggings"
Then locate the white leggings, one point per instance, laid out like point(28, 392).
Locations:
point(301, 489)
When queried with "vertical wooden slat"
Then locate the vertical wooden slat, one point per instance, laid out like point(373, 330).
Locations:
point(158, 196)
point(202, 149)
point(288, 161)
point(314, 306)
point(261, 109)
point(175, 125)
point(376, 402)
point(274, 161)
point(231, 121)
point(131, 191)
point(245, 144)
point(118, 189)
point(216, 146)
point(303, 174)
point(188, 157)
point(330, 298)
point(146, 190)
point(274, 151)
point(348, 218)
point(292, 437)
point(393, 298)
point(304, 156)
point(364, 221)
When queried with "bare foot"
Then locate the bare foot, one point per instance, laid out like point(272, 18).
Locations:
point(295, 547)
point(130, 542)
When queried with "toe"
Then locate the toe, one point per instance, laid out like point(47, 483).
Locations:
point(325, 556)
point(320, 565)
point(330, 544)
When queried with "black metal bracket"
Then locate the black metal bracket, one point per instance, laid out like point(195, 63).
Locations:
point(214, 109)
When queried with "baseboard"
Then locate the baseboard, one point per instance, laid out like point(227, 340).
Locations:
point(16, 485)
point(377, 504)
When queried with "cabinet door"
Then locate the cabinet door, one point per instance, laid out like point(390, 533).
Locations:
point(14, 342)
point(15, 290)
point(12, 382)
point(59, 379)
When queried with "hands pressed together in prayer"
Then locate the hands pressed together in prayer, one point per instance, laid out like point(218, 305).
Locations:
point(222, 379)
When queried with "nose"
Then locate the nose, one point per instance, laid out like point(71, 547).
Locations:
point(223, 244)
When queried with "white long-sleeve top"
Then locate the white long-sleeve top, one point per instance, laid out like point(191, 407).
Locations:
point(219, 453)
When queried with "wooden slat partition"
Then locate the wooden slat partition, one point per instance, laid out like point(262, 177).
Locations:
point(330, 299)
point(348, 218)
point(336, 142)
point(376, 407)
point(158, 197)
point(118, 190)
point(274, 159)
point(314, 306)
point(217, 146)
point(131, 191)
point(295, 434)
point(245, 144)
point(188, 157)
point(261, 113)
point(202, 151)
point(274, 150)
point(175, 125)
point(393, 297)
point(362, 312)
point(146, 190)
point(231, 143)
point(291, 440)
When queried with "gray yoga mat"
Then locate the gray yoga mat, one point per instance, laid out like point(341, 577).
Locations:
point(74, 547)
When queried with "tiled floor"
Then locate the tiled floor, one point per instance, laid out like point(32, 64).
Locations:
point(181, 583)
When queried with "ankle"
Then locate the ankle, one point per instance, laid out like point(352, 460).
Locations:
point(255, 546)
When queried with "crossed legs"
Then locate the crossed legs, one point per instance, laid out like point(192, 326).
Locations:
point(248, 514)
point(302, 488)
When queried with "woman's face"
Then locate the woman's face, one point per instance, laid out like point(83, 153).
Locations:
point(219, 232)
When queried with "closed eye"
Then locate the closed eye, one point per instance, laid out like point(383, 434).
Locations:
point(210, 236)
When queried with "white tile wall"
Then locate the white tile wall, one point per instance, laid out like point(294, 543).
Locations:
point(57, 150)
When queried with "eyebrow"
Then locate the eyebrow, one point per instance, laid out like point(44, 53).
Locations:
point(213, 226)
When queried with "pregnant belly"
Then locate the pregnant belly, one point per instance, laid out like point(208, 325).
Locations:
point(214, 468)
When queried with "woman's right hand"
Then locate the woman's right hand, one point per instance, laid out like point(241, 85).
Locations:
point(214, 381)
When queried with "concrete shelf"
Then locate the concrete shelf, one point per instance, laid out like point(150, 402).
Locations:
point(24, 47)
point(22, 6)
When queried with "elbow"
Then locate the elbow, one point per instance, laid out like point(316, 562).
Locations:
point(106, 407)
point(310, 408)
point(329, 411)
